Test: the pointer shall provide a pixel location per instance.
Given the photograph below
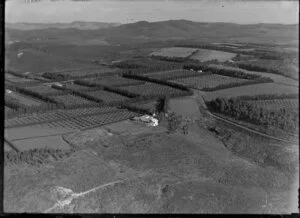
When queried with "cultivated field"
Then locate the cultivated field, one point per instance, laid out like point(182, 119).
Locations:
point(151, 89)
point(106, 96)
point(256, 89)
point(208, 55)
point(169, 74)
point(44, 90)
point(77, 87)
point(50, 142)
point(55, 115)
point(277, 104)
point(81, 73)
point(24, 100)
point(115, 81)
point(207, 81)
point(174, 52)
point(276, 78)
point(70, 100)
point(79, 123)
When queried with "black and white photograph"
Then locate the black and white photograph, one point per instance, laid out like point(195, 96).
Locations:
point(151, 107)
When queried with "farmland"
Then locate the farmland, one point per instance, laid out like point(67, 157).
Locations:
point(24, 100)
point(105, 96)
point(170, 74)
point(256, 89)
point(208, 55)
point(77, 87)
point(92, 121)
point(174, 52)
point(151, 89)
point(71, 100)
point(277, 78)
point(115, 81)
point(208, 81)
point(44, 90)
point(55, 115)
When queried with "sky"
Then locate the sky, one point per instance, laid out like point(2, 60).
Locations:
point(128, 11)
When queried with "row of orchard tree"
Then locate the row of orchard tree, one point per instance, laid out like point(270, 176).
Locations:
point(280, 118)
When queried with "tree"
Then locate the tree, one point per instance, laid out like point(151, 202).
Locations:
point(174, 122)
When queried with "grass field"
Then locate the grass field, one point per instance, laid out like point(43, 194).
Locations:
point(25, 100)
point(207, 81)
point(7, 147)
point(151, 89)
point(256, 89)
point(174, 52)
point(207, 55)
point(50, 142)
point(106, 96)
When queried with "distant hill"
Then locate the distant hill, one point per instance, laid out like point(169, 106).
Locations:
point(143, 31)
point(76, 24)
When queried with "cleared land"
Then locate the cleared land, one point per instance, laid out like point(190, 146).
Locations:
point(50, 142)
point(207, 81)
point(151, 89)
point(24, 100)
point(174, 52)
point(256, 89)
point(208, 55)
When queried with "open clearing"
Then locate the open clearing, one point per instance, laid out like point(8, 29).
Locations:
point(50, 142)
point(208, 55)
point(174, 52)
point(256, 89)
point(186, 107)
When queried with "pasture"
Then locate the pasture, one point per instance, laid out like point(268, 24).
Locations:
point(49, 142)
point(256, 89)
point(208, 55)
point(207, 81)
point(179, 52)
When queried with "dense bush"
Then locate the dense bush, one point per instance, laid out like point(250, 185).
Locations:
point(243, 110)
point(36, 156)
